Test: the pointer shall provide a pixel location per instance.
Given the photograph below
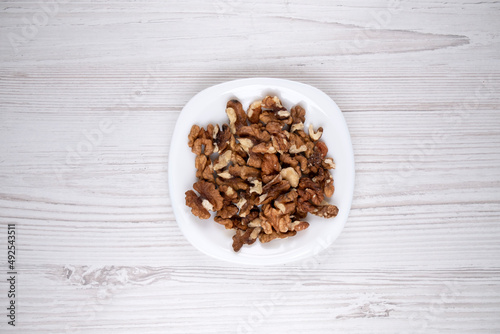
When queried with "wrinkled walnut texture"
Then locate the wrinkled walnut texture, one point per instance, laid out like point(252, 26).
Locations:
point(261, 174)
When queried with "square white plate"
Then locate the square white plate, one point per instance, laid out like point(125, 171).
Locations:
point(209, 106)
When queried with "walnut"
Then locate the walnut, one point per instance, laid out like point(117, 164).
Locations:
point(286, 159)
point(291, 176)
point(255, 160)
point(298, 114)
point(315, 160)
point(263, 148)
point(195, 203)
point(223, 160)
point(274, 188)
point(236, 183)
point(328, 163)
point(255, 223)
point(248, 203)
point(238, 159)
point(255, 233)
point(204, 168)
point(228, 193)
point(225, 175)
point(207, 191)
point(257, 187)
point(261, 174)
point(303, 163)
point(193, 135)
point(315, 136)
point(203, 146)
point(274, 128)
point(294, 149)
point(280, 143)
point(298, 226)
point(200, 140)
point(236, 114)
point(283, 114)
point(246, 144)
point(200, 163)
point(270, 164)
point(272, 216)
point(272, 103)
point(298, 144)
point(241, 238)
point(254, 111)
point(244, 172)
point(267, 228)
point(254, 132)
point(326, 211)
point(250, 215)
point(287, 203)
point(222, 138)
point(328, 187)
point(228, 211)
point(239, 154)
point(297, 127)
point(264, 238)
point(227, 222)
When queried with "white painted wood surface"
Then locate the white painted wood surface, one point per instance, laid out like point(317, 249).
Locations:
point(99, 248)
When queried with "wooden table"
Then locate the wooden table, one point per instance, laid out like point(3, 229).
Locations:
point(89, 96)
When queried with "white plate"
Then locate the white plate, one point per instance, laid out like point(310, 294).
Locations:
point(209, 106)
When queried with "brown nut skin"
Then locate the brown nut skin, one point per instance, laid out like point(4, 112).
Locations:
point(244, 172)
point(298, 114)
point(326, 211)
point(328, 187)
point(271, 215)
point(251, 203)
point(229, 223)
point(200, 163)
point(286, 159)
point(222, 138)
point(254, 111)
point(200, 140)
point(236, 183)
point(241, 238)
point(303, 163)
point(289, 197)
point(255, 160)
point(203, 146)
point(207, 190)
point(208, 173)
point(272, 102)
point(241, 116)
point(274, 188)
point(270, 164)
point(299, 226)
point(281, 143)
point(228, 211)
point(193, 135)
point(263, 148)
point(195, 203)
point(264, 238)
point(254, 132)
point(284, 223)
point(274, 127)
point(229, 194)
point(204, 168)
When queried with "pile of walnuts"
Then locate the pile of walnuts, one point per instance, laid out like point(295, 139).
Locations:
point(261, 174)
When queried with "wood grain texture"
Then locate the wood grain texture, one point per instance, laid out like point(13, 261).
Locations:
point(99, 248)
